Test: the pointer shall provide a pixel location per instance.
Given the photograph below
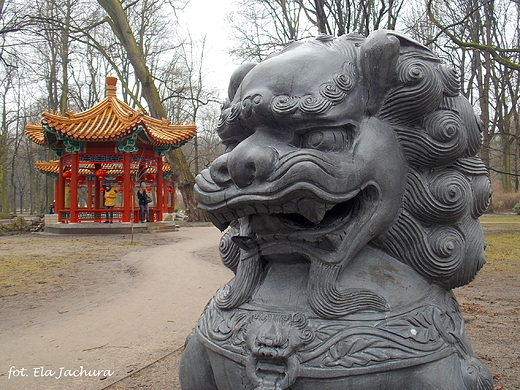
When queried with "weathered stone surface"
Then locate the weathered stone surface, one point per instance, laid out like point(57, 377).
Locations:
point(352, 191)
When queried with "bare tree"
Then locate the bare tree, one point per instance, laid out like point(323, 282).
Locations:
point(338, 17)
point(505, 55)
point(121, 27)
point(263, 26)
point(486, 33)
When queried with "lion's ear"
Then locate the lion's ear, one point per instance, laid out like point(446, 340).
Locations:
point(378, 56)
point(237, 77)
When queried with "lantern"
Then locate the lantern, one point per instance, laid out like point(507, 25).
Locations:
point(149, 189)
point(150, 177)
point(100, 174)
point(102, 189)
point(81, 179)
point(119, 179)
point(67, 175)
point(120, 189)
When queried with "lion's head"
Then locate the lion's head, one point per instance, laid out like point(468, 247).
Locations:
point(338, 143)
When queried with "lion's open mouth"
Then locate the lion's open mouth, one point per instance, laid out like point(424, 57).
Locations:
point(305, 215)
point(340, 211)
point(332, 217)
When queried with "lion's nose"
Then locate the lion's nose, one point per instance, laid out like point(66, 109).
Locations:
point(219, 171)
point(244, 165)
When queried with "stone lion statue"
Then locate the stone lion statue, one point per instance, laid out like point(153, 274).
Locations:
point(349, 194)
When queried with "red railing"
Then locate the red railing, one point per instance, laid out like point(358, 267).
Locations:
point(100, 215)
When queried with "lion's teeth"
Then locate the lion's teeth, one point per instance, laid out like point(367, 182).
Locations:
point(218, 220)
point(311, 210)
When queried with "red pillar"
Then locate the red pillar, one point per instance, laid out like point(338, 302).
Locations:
point(56, 190)
point(88, 183)
point(97, 189)
point(160, 189)
point(165, 197)
point(74, 188)
point(59, 195)
point(127, 188)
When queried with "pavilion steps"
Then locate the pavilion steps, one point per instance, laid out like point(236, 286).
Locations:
point(89, 228)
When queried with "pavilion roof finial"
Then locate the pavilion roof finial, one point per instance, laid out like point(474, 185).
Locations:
point(111, 82)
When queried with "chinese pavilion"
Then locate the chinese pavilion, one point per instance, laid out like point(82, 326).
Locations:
point(109, 144)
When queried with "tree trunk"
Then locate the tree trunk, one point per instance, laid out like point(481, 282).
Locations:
point(121, 27)
point(506, 164)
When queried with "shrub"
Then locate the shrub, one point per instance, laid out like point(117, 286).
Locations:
point(516, 209)
point(504, 201)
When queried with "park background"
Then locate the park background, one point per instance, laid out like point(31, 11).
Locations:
point(56, 54)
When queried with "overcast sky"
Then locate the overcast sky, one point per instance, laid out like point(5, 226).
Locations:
point(208, 17)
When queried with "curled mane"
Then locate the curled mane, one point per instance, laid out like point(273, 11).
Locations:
point(437, 231)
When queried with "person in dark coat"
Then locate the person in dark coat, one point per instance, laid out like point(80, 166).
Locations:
point(143, 198)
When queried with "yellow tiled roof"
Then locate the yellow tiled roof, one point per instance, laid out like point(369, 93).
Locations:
point(35, 133)
point(110, 119)
point(48, 166)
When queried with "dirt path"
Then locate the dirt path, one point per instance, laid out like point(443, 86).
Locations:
point(132, 323)
point(125, 311)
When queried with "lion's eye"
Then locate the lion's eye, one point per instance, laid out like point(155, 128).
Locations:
point(328, 140)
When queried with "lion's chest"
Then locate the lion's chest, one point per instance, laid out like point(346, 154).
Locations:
point(277, 338)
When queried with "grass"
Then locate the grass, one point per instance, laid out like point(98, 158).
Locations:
point(500, 218)
point(502, 233)
point(39, 263)
point(35, 263)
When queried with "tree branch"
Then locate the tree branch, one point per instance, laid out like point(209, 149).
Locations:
point(494, 51)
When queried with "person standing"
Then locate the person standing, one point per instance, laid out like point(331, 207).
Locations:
point(144, 199)
point(110, 202)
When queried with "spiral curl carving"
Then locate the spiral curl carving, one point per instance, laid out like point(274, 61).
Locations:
point(451, 79)
point(472, 125)
point(412, 71)
point(474, 168)
point(448, 247)
point(229, 251)
point(331, 92)
point(422, 150)
point(435, 253)
point(451, 188)
point(482, 195)
point(420, 92)
point(441, 197)
point(285, 104)
point(445, 126)
point(474, 250)
point(346, 81)
point(314, 104)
